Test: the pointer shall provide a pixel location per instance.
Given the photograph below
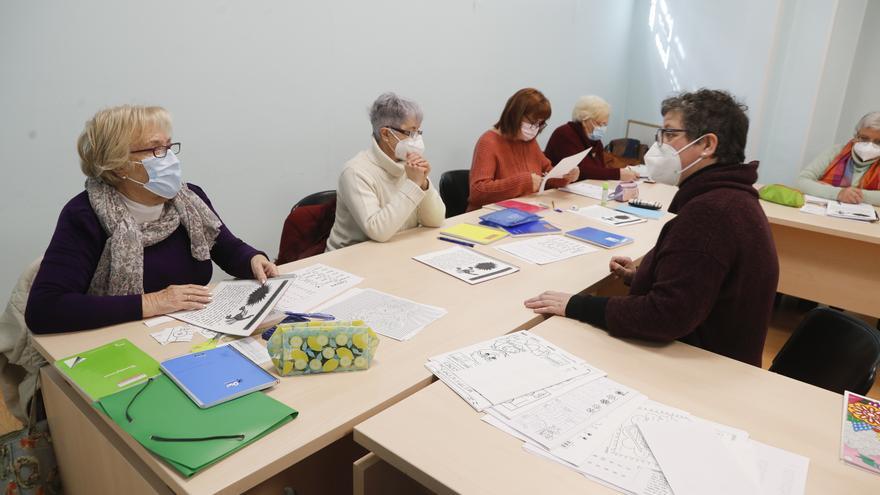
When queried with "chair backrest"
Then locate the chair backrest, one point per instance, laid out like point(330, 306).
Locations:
point(307, 227)
point(832, 350)
point(455, 188)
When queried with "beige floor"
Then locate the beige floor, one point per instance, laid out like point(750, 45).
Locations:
point(785, 320)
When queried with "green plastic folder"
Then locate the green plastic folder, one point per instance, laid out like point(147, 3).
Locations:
point(159, 409)
point(108, 369)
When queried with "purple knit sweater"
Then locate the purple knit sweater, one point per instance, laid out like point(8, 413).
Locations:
point(58, 301)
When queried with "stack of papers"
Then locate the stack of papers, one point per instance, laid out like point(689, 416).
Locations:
point(584, 189)
point(313, 285)
point(607, 431)
point(391, 316)
point(815, 205)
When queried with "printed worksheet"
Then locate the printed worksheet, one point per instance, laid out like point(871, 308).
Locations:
point(237, 307)
point(391, 316)
point(466, 264)
point(564, 166)
point(584, 188)
point(608, 216)
point(546, 249)
point(507, 367)
point(313, 285)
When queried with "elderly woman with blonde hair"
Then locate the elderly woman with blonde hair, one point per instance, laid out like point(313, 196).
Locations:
point(848, 172)
point(138, 242)
point(589, 121)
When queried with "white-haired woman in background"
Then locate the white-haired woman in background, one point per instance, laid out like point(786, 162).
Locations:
point(849, 173)
point(385, 189)
point(589, 121)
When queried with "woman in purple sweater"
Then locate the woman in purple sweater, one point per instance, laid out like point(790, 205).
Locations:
point(138, 242)
point(711, 278)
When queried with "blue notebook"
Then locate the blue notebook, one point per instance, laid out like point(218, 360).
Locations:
point(216, 375)
point(508, 217)
point(530, 228)
point(599, 237)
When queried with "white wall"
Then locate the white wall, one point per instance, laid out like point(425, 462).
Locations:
point(862, 94)
point(270, 97)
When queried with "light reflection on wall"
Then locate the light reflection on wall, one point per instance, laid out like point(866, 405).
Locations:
point(661, 23)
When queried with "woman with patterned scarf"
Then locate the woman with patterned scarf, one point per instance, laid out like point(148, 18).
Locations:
point(849, 173)
point(138, 242)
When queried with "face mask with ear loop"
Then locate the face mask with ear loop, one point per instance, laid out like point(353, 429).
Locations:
point(165, 175)
point(408, 145)
point(664, 164)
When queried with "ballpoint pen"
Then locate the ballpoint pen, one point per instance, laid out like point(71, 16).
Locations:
point(456, 241)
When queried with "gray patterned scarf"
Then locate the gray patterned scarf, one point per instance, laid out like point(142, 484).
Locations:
point(120, 270)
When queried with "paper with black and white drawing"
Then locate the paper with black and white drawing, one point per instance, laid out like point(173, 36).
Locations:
point(466, 264)
point(391, 316)
point(564, 166)
point(546, 249)
point(313, 285)
point(237, 306)
point(507, 367)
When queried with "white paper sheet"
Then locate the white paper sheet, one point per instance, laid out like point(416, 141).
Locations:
point(313, 285)
point(863, 212)
point(487, 373)
point(253, 349)
point(584, 189)
point(238, 306)
point(813, 209)
point(695, 460)
point(816, 200)
point(564, 166)
point(609, 216)
point(551, 423)
point(546, 249)
point(780, 472)
point(391, 316)
point(174, 334)
point(466, 264)
point(158, 320)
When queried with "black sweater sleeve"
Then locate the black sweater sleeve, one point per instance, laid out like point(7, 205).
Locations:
point(588, 309)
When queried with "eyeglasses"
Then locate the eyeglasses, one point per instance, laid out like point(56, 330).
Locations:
point(541, 125)
point(412, 134)
point(158, 438)
point(161, 151)
point(866, 139)
point(666, 134)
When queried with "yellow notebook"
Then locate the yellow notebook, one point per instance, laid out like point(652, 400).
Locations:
point(474, 233)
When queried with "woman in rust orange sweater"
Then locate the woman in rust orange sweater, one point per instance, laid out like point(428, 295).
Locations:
point(508, 163)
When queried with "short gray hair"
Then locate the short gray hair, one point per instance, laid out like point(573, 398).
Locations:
point(590, 107)
point(390, 110)
point(870, 120)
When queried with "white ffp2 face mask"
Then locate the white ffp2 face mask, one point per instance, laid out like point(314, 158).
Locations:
point(409, 145)
point(166, 177)
point(528, 131)
point(867, 151)
point(664, 164)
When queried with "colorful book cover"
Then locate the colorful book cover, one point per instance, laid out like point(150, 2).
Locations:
point(519, 205)
point(108, 369)
point(860, 438)
point(599, 237)
point(508, 217)
point(475, 233)
point(532, 228)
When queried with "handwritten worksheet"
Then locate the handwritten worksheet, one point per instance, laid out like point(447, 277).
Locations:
point(391, 316)
point(313, 285)
point(237, 306)
point(546, 249)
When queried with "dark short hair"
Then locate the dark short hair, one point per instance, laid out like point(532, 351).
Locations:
point(527, 102)
point(712, 111)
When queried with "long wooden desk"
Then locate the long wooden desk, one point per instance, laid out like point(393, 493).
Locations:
point(329, 405)
point(828, 260)
point(437, 439)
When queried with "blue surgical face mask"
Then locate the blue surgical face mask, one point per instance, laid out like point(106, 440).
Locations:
point(165, 175)
point(598, 132)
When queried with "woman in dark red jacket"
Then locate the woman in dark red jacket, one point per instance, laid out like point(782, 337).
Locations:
point(589, 120)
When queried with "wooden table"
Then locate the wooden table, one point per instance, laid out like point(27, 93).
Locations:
point(437, 439)
point(825, 259)
point(329, 405)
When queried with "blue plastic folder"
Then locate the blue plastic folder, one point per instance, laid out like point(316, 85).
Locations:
point(216, 375)
point(530, 228)
point(508, 217)
point(598, 237)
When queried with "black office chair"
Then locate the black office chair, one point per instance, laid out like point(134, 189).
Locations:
point(455, 188)
point(832, 350)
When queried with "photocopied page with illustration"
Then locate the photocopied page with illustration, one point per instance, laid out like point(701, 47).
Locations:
point(237, 307)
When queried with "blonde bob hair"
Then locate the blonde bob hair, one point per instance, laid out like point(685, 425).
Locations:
point(106, 140)
point(590, 107)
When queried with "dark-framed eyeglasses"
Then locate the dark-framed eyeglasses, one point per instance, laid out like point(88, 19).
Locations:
point(161, 151)
point(866, 139)
point(540, 125)
point(665, 134)
point(412, 134)
point(239, 437)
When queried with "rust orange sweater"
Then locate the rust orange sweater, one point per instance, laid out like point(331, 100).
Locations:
point(502, 169)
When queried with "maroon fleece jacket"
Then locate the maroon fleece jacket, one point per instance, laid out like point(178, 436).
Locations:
point(711, 278)
point(569, 139)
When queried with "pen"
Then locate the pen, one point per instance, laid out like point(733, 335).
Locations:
point(455, 241)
